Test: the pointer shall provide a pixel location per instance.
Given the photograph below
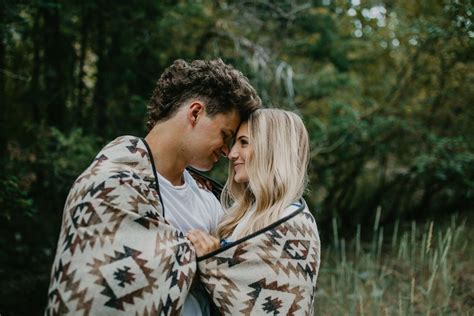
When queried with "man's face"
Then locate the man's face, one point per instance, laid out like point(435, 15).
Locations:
point(212, 138)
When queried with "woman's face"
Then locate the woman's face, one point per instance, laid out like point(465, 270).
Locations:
point(240, 153)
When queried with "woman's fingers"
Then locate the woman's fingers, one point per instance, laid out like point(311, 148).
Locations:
point(202, 242)
point(197, 240)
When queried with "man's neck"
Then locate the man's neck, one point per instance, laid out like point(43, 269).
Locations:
point(167, 154)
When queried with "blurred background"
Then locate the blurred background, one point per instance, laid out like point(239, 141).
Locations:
point(385, 89)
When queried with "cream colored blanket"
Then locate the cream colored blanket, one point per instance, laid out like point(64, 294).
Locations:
point(117, 255)
point(272, 272)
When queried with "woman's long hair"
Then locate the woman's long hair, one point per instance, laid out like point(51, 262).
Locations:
point(277, 167)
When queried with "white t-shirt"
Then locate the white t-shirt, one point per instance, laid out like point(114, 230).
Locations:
point(245, 220)
point(189, 207)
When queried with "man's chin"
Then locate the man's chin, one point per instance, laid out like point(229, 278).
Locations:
point(203, 167)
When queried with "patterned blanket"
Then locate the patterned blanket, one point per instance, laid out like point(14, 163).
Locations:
point(273, 271)
point(116, 254)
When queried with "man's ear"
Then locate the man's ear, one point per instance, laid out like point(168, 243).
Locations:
point(195, 110)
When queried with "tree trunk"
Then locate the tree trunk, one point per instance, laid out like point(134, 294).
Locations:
point(82, 57)
point(35, 91)
point(54, 75)
point(3, 113)
point(99, 93)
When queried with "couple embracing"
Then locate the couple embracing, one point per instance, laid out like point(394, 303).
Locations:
point(141, 236)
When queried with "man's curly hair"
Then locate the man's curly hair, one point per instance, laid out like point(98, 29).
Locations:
point(221, 87)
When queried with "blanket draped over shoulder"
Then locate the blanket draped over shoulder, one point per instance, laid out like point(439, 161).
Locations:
point(271, 272)
point(116, 254)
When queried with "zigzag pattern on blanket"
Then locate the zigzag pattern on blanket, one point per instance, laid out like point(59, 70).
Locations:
point(116, 254)
point(274, 272)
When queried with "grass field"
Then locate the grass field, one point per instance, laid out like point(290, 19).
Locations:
point(422, 269)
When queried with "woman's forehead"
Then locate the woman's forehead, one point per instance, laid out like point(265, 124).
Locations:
point(243, 130)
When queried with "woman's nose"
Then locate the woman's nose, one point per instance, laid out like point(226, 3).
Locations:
point(233, 154)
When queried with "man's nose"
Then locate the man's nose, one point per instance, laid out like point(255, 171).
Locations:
point(225, 151)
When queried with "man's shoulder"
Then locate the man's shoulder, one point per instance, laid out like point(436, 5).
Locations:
point(205, 183)
point(198, 188)
point(107, 174)
point(123, 158)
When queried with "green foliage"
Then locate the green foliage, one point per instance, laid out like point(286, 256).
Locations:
point(24, 259)
point(62, 157)
point(385, 89)
point(14, 200)
point(30, 227)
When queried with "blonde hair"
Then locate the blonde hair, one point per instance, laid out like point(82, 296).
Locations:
point(277, 168)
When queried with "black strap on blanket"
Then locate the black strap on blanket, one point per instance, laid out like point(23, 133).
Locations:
point(157, 183)
point(258, 232)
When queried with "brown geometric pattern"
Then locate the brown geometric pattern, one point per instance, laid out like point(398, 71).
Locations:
point(116, 255)
point(272, 273)
point(124, 276)
point(273, 299)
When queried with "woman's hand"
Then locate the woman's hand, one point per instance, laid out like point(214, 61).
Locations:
point(202, 242)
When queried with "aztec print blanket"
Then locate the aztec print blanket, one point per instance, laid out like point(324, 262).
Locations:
point(272, 271)
point(116, 254)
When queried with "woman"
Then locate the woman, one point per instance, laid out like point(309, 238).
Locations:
point(269, 239)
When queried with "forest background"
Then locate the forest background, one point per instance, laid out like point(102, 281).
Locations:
point(384, 87)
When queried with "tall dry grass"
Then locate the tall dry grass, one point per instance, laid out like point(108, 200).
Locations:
point(423, 269)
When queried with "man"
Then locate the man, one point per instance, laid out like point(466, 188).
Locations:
point(122, 249)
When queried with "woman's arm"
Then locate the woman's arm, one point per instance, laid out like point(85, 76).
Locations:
point(202, 242)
